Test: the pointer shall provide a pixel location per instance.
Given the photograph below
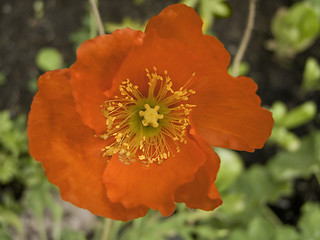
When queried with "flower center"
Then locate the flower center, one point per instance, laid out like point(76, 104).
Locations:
point(147, 127)
point(151, 116)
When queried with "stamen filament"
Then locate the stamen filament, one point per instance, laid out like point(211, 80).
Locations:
point(147, 128)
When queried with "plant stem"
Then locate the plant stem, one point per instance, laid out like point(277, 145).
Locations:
point(245, 39)
point(97, 17)
point(106, 228)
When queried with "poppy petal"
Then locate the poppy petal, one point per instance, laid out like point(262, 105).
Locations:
point(213, 52)
point(170, 55)
point(201, 192)
point(228, 112)
point(68, 150)
point(152, 186)
point(98, 60)
point(177, 21)
point(182, 23)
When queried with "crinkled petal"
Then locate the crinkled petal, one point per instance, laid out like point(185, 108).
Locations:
point(213, 53)
point(98, 60)
point(201, 192)
point(68, 150)
point(170, 55)
point(228, 112)
point(177, 21)
point(154, 186)
point(182, 23)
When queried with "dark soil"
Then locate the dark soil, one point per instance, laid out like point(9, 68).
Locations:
point(22, 35)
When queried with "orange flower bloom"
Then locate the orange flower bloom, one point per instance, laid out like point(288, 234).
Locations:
point(130, 125)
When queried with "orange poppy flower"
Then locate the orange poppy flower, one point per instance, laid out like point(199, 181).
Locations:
point(130, 125)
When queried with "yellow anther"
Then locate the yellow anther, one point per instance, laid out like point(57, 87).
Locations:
point(187, 111)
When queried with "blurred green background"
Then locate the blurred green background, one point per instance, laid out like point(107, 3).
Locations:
point(271, 194)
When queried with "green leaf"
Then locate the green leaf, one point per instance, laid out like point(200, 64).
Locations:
point(258, 229)
point(302, 163)
point(286, 232)
point(5, 123)
point(279, 111)
point(285, 139)
point(258, 186)
point(205, 231)
point(234, 203)
point(309, 222)
point(315, 4)
point(48, 59)
point(284, 120)
point(221, 9)
point(238, 234)
point(248, 196)
point(8, 168)
point(230, 169)
point(79, 37)
point(32, 85)
point(126, 22)
point(3, 79)
point(261, 229)
point(311, 75)
point(300, 115)
point(154, 226)
point(84, 33)
point(69, 234)
point(13, 138)
point(294, 29)
point(9, 218)
point(5, 234)
point(209, 9)
point(190, 3)
point(38, 8)
point(138, 2)
point(244, 69)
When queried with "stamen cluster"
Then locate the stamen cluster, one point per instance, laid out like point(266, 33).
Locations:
point(147, 128)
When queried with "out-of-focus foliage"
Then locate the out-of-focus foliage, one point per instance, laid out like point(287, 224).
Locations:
point(260, 228)
point(247, 192)
point(295, 29)
point(302, 163)
point(82, 34)
point(244, 69)
point(87, 30)
point(311, 75)
point(48, 59)
point(126, 22)
point(69, 234)
point(3, 78)
point(37, 200)
point(38, 8)
point(32, 85)
point(316, 6)
point(138, 2)
point(209, 10)
point(13, 142)
point(285, 120)
point(230, 169)
point(308, 222)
